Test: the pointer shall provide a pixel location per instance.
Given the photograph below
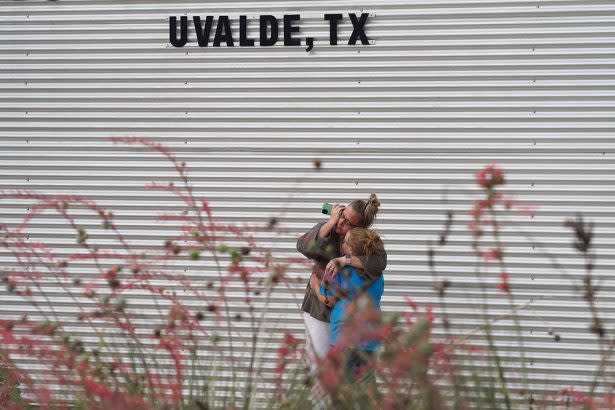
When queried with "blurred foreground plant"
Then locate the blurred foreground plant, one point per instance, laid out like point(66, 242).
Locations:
point(173, 360)
point(416, 370)
point(137, 361)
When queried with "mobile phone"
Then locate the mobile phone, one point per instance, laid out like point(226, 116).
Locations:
point(326, 208)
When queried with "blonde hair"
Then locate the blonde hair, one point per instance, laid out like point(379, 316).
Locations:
point(364, 241)
point(367, 209)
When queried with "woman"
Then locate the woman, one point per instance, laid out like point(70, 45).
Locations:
point(323, 245)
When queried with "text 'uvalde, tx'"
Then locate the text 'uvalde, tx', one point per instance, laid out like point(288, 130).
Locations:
point(268, 27)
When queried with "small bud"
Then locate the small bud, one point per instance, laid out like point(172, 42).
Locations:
point(114, 283)
point(82, 236)
point(272, 223)
point(194, 255)
point(120, 304)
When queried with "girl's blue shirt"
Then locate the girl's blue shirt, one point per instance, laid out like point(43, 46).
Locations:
point(349, 281)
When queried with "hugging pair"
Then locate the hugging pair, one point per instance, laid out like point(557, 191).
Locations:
point(348, 263)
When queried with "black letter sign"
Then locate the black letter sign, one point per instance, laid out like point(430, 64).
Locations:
point(183, 23)
point(333, 19)
point(243, 32)
point(223, 26)
point(264, 22)
point(202, 35)
point(358, 29)
point(289, 29)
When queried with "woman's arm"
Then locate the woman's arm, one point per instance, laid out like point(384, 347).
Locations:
point(325, 299)
point(370, 267)
point(326, 229)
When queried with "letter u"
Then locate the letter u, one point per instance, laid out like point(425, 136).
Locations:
point(183, 27)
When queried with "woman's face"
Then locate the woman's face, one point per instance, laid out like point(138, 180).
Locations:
point(348, 219)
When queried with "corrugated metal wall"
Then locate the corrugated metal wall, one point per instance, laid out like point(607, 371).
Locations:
point(445, 88)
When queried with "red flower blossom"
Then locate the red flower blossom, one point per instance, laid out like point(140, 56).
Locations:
point(290, 339)
point(329, 378)
point(489, 176)
point(503, 284)
point(493, 253)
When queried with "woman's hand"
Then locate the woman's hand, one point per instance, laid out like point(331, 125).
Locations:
point(336, 212)
point(329, 226)
point(333, 266)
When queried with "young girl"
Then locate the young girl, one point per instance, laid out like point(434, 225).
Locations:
point(346, 286)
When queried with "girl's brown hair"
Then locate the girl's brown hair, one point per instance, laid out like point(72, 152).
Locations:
point(364, 241)
point(367, 209)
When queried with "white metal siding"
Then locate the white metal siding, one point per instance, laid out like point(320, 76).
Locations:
point(445, 88)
